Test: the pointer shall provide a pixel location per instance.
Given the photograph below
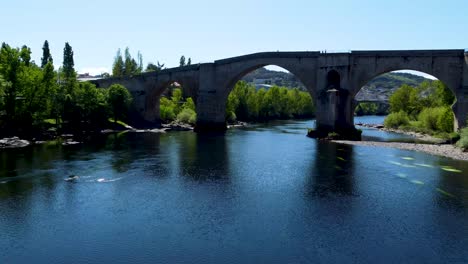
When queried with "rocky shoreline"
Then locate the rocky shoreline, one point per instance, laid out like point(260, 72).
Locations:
point(67, 139)
point(420, 136)
point(445, 150)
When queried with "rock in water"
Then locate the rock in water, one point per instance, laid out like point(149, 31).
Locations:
point(72, 178)
point(13, 142)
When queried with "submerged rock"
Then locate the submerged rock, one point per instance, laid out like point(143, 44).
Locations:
point(70, 142)
point(13, 142)
point(72, 178)
point(176, 126)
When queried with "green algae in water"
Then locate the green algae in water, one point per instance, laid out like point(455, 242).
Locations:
point(401, 175)
point(450, 169)
point(445, 193)
point(417, 182)
point(424, 165)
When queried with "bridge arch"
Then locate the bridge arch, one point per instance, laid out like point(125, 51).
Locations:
point(279, 107)
point(158, 87)
point(409, 77)
point(246, 68)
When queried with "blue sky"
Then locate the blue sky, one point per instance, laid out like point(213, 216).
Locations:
point(206, 30)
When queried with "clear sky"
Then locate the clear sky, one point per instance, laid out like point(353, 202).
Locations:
point(206, 30)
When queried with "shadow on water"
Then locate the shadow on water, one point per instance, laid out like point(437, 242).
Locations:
point(332, 172)
point(204, 157)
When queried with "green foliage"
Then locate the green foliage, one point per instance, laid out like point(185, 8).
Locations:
point(177, 108)
point(437, 119)
point(154, 67)
point(46, 56)
point(119, 100)
point(428, 107)
point(68, 62)
point(127, 65)
point(405, 99)
point(445, 120)
point(245, 103)
point(395, 120)
point(118, 66)
point(187, 115)
point(463, 142)
point(367, 109)
point(166, 110)
point(32, 98)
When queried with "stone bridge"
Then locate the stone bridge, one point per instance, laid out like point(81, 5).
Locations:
point(333, 80)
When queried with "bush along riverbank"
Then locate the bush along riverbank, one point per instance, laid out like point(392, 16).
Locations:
point(425, 109)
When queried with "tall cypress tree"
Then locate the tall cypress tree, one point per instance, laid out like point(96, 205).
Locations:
point(46, 56)
point(118, 68)
point(68, 63)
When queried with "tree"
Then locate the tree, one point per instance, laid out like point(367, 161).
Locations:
point(50, 87)
point(118, 67)
point(46, 56)
point(151, 67)
point(140, 63)
point(189, 62)
point(182, 61)
point(10, 63)
point(130, 65)
point(25, 55)
point(154, 67)
point(405, 99)
point(91, 103)
point(68, 62)
point(119, 100)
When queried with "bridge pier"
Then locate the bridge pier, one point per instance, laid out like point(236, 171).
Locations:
point(460, 109)
point(335, 114)
point(211, 104)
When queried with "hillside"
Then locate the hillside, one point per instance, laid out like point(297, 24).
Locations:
point(381, 87)
point(378, 89)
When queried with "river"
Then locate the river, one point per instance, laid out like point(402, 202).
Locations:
point(261, 194)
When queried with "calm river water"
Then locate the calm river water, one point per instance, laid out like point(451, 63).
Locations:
point(263, 194)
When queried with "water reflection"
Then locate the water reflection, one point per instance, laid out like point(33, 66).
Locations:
point(332, 171)
point(204, 157)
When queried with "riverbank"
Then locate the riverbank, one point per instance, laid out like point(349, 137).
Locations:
point(419, 136)
point(445, 150)
point(72, 139)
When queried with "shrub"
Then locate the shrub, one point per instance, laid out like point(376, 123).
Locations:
point(187, 115)
point(437, 119)
point(167, 110)
point(463, 142)
point(445, 120)
point(428, 118)
point(395, 120)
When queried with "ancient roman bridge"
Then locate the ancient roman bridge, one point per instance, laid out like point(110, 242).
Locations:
point(333, 79)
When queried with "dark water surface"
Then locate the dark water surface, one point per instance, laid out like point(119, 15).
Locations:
point(263, 194)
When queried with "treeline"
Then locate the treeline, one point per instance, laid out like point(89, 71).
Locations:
point(37, 98)
point(371, 108)
point(425, 108)
point(126, 66)
point(245, 103)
